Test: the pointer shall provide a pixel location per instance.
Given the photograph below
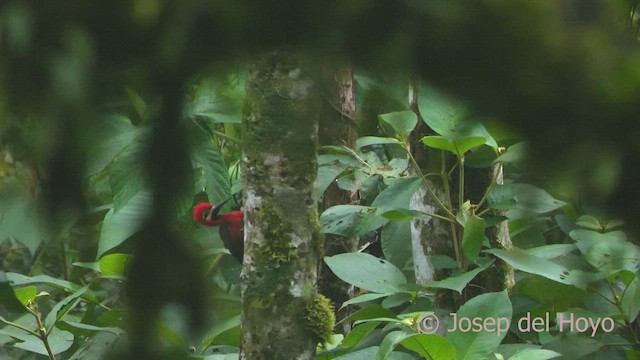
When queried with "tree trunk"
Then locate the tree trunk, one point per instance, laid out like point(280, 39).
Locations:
point(338, 127)
point(283, 317)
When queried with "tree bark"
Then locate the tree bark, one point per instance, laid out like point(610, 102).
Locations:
point(338, 127)
point(283, 317)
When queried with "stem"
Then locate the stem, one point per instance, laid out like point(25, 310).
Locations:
point(16, 325)
point(426, 184)
point(491, 185)
point(447, 191)
point(461, 183)
point(225, 136)
point(43, 335)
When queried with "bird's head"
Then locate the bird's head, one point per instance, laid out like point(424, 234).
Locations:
point(207, 213)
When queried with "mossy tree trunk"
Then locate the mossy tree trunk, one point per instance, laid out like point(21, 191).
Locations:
point(338, 127)
point(283, 317)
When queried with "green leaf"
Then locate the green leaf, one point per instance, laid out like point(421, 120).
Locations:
point(59, 341)
point(609, 252)
point(515, 153)
point(574, 347)
point(399, 193)
point(481, 343)
point(367, 272)
point(630, 301)
point(525, 198)
point(220, 328)
point(589, 222)
point(119, 226)
point(523, 261)
point(96, 347)
point(116, 133)
point(375, 140)
point(137, 102)
point(472, 237)
point(390, 341)
point(209, 159)
point(369, 312)
point(8, 297)
point(115, 264)
point(457, 146)
point(538, 354)
point(363, 298)
point(327, 173)
point(63, 307)
point(19, 279)
point(458, 282)
point(350, 220)
point(395, 240)
point(20, 219)
point(26, 294)
point(551, 251)
point(430, 346)
point(403, 122)
point(127, 177)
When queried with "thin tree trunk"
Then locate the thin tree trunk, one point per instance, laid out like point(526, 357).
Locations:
point(338, 127)
point(283, 317)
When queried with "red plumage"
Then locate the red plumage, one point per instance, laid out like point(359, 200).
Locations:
point(231, 226)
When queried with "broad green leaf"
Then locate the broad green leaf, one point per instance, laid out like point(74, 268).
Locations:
point(574, 347)
point(209, 159)
point(350, 220)
point(398, 194)
point(472, 237)
point(430, 346)
point(20, 218)
point(220, 328)
point(403, 122)
point(115, 264)
point(551, 251)
point(397, 215)
point(363, 298)
point(367, 272)
point(137, 102)
point(479, 343)
point(523, 261)
point(375, 140)
point(515, 153)
point(63, 307)
point(630, 302)
point(217, 101)
point(369, 312)
point(327, 173)
point(458, 282)
point(537, 354)
point(119, 226)
point(358, 333)
point(19, 279)
point(457, 146)
point(96, 347)
point(8, 297)
point(113, 330)
point(26, 294)
point(450, 118)
point(523, 197)
point(116, 133)
point(589, 222)
point(59, 341)
point(395, 240)
point(127, 177)
point(609, 252)
point(390, 341)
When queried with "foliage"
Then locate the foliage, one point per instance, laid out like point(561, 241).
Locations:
point(63, 294)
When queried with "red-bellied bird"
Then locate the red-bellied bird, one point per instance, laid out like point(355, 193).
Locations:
point(231, 225)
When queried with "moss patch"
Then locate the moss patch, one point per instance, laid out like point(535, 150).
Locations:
point(320, 318)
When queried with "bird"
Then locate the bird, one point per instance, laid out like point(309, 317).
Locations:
point(231, 225)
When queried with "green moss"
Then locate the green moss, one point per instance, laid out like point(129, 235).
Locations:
point(320, 318)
